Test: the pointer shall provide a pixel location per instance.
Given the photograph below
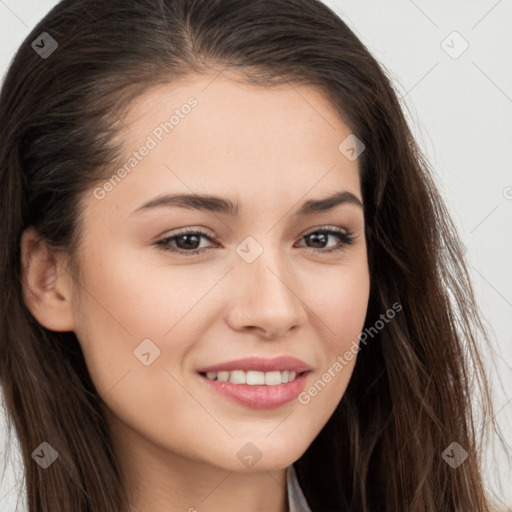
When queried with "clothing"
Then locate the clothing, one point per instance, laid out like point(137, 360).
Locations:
point(296, 500)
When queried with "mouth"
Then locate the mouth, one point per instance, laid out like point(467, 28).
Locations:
point(257, 383)
point(252, 393)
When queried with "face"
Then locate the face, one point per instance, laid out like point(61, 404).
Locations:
point(175, 293)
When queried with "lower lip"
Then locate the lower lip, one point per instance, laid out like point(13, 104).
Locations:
point(260, 396)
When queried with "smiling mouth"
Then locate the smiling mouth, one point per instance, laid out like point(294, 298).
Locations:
point(253, 378)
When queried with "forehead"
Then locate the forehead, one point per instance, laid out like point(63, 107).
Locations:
point(238, 117)
point(211, 134)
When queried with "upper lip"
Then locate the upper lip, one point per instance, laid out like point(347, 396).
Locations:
point(281, 363)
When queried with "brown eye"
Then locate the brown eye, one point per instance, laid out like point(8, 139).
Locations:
point(320, 238)
point(187, 242)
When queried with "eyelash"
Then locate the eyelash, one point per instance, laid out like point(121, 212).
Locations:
point(345, 237)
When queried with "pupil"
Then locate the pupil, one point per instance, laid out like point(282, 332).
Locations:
point(193, 239)
point(319, 238)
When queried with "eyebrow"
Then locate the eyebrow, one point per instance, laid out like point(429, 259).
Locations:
point(216, 204)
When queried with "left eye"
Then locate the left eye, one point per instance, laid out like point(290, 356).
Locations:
point(322, 235)
point(188, 242)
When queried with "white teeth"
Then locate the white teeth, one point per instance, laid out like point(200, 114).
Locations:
point(253, 378)
point(237, 377)
point(272, 378)
point(223, 376)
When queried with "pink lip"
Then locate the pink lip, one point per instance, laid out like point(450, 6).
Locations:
point(259, 397)
point(259, 364)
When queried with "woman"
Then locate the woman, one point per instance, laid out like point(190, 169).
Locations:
point(314, 353)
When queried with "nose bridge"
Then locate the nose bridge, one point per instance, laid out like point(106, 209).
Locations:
point(266, 299)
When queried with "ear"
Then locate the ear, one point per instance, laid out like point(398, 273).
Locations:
point(46, 283)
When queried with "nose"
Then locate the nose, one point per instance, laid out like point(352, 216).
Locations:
point(266, 300)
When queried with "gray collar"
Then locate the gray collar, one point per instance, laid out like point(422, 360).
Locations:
point(296, 500)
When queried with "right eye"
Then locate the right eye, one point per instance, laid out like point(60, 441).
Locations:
point(189, 240)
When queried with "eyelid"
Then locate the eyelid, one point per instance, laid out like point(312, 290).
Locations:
point(325, 227)
point(184, 231)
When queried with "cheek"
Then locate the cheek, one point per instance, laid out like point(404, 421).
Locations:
point(340, 315)
point(124, 315)
point(132, 305)
point(340, 303)
point(145, 295)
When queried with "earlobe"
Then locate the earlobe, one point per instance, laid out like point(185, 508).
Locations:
point(46, 283)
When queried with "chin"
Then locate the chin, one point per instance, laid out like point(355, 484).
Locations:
point(262, 452)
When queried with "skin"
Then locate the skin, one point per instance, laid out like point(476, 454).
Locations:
point(269, 149)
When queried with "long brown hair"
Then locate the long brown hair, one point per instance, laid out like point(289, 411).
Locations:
point(410, 394)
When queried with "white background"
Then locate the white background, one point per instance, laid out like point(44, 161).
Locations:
point(460, 110)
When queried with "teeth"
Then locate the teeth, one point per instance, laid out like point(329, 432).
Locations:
point(272, 378)
point(237, 377)
point(223, 376)
point(253, 378)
